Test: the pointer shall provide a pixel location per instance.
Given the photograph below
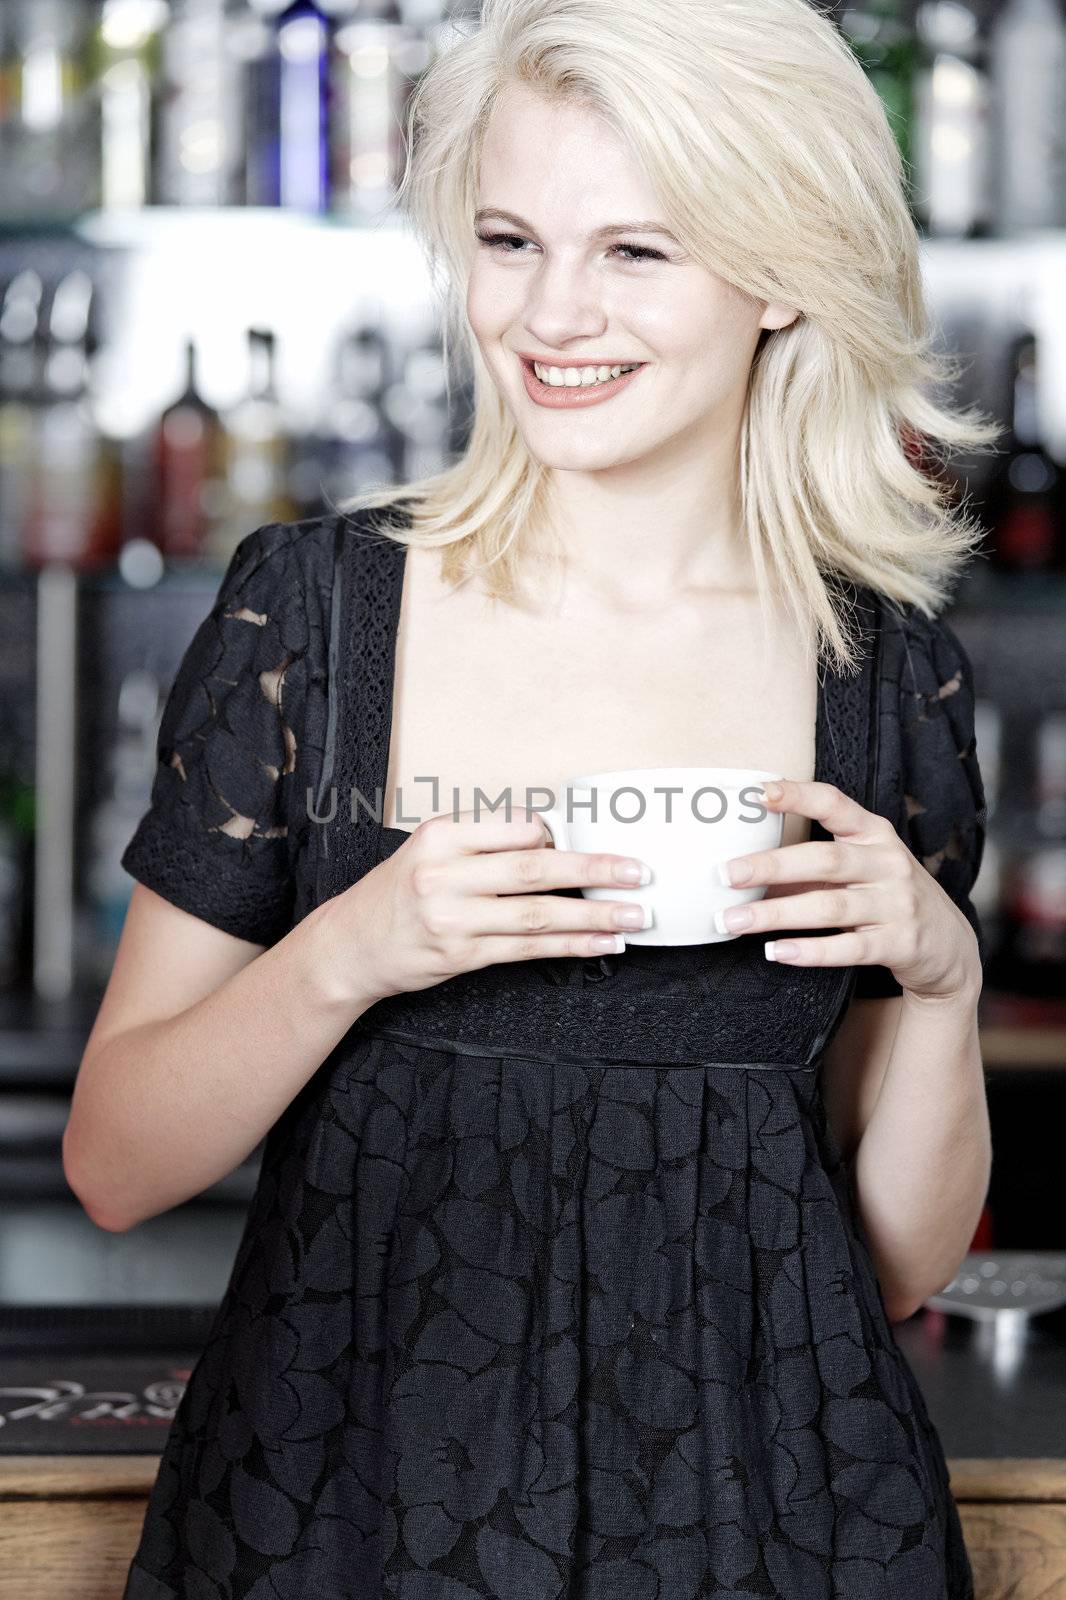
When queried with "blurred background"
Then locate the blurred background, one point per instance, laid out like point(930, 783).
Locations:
point(211, 319)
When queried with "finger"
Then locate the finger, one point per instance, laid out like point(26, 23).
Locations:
point(506, 857)
point(467, 834)
point(831, 907)
point(496, 947)
point(540, 913)
point(858, 947)
point(838, 813)
point(813, 861)
point(535, 871)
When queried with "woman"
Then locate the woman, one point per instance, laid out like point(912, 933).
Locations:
point(573, 1272)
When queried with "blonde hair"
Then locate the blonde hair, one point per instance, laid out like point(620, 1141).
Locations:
point(778, 171)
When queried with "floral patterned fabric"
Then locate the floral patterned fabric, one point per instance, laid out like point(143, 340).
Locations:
point(510, 1318)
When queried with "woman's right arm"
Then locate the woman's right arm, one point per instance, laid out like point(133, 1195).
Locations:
point(200, 1043)
point(203, 1038)
point(213, 1017)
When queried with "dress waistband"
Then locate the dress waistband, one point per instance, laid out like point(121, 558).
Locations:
point(463, 1047)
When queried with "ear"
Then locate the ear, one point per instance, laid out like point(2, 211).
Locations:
point(778, 316)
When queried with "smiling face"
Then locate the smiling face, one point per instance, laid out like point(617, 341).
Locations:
point(560, 292)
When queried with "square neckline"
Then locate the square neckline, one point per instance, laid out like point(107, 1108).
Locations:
point(826, 674)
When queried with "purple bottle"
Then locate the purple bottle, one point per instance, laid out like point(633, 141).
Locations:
point(302, 42)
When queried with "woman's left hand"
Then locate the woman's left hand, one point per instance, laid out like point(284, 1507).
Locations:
point(864, 880)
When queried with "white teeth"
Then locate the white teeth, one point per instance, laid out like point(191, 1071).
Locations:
point(579, 377)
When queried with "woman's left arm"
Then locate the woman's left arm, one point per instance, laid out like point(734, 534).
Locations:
point(912, 1087)
point(930, 1120)
point(904, 1089)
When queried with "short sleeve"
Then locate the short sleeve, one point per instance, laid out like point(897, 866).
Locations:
point(942, 811)
point(214, 840)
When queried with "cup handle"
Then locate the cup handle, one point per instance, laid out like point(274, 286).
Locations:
point(554, 820)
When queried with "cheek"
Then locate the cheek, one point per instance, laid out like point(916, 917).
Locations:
point(686, 325)
point(490, 303)
point(709, 347)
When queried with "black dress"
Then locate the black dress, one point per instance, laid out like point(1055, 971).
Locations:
point(552, 1287)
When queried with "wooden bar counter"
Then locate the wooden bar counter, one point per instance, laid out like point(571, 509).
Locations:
point(69, 1522)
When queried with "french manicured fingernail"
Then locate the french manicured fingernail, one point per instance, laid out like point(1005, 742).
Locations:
point(633, 917)
point(613, 943)
point(633, 872)
point(736, 871)
point(732, 918)
point(772, 790)
point(780, 949)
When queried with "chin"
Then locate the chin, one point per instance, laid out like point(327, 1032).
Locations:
point(581, 461)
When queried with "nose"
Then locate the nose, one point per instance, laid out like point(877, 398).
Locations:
point(563, 303)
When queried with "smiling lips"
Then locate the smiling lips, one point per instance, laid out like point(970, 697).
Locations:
point(570, 395)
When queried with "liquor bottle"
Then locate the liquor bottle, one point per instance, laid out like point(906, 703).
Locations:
point(302, 40)
point(126, 51)
point(200, 117)
point(1028, 57)
point(73, 509)
point(256, 454)
point(49, 169)
point(951, 140)
point(1050, 786)
point(17, 810)
point(365, 450)
point(189, 466)
point(987, 891)
point(1025, 499)
point(20, 382)
point(1036, 908)
point(882, 36)
point(376, 62)
point(417, 406)
point(130, 765)
point(252, 47)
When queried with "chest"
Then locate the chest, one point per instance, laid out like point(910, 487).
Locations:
point(489, 697)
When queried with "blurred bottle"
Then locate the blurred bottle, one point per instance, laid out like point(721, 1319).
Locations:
point(1025, 505)
point(20, 386)
point(255, 453)
point(126, 54)
point(351, 444)
point(987, 891)
point(882, 35)
point(1050, 786)
point(365, 450)
point(952, 123)
point(1028, 58)
point(130, 767)
point(376, 63)
point(49, 166)
point(416, 404)
point(1037, 903)
point(16, 881)
point(252, 46)
point(302, 40)
point(200, 154)
point(189, 470)
point(75, 491)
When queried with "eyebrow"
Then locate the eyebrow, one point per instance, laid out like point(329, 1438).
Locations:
point(606, 232)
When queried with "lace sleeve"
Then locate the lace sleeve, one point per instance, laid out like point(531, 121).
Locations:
point(214, 840)
point(941, 794)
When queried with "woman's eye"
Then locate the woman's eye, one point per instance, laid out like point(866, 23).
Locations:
point(494, 239)
point(503, 241)
point(641, 252)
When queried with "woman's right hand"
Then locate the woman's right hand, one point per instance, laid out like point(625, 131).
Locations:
point(465, 892)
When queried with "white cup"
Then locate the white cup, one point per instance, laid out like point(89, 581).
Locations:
point(710, 815)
